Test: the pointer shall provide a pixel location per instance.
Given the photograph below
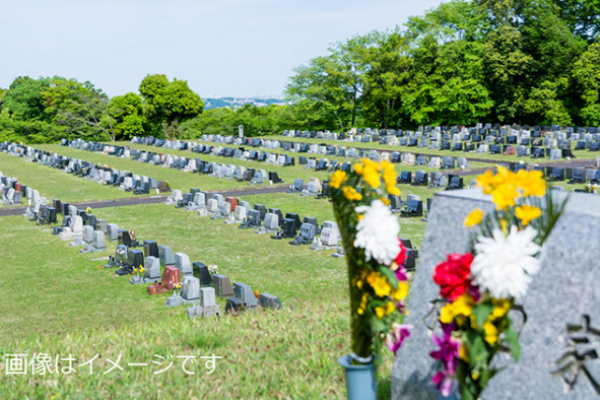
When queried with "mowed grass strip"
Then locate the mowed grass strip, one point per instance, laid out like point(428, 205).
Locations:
point(55, 183)
point(58, 302)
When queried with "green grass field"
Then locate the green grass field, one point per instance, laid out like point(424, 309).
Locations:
point(59, 302)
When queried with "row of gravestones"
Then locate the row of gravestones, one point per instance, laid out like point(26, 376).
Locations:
point(495, 129)
point(13, 192)
point(193, 165)
point(97, 173)
point(552, 145)
point(262, 220)
point(199, 286)
point(321, 164)
point(272, 221)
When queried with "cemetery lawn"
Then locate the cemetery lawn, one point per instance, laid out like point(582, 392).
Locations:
point(57, 301)
point(54, 183)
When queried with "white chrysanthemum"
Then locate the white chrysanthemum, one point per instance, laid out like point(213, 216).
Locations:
point(378, 232)
point(504, 265)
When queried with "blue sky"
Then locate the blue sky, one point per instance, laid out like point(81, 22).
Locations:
point(221, 47)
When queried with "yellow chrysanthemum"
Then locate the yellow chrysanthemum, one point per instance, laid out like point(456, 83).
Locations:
point(358, 168)
point(337, 179)
point(527, 213)
point(501, 307)
point(461, 306)
point(393, 190)
point(384, 310)
point(474, 218)
point(486, 181)
point(531, 183)
point(505, 195)
point(371, 175)
point(351, 194)
point(401, 292)
point(385, 200)
point(491, 332)
point(380, 284)
point(389, 173)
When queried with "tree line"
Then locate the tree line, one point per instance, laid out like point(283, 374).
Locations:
point(522, 61)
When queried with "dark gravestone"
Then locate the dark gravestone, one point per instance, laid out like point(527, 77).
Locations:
point(565, 289)
point(150, 248)
point(202, 273)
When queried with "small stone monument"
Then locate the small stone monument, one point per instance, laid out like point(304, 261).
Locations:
point(182, 263)
point(152, 273)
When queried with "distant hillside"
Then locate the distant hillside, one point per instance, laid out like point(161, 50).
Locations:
point(235, 102)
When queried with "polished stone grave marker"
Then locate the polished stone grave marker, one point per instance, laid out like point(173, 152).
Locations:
point(562, 295)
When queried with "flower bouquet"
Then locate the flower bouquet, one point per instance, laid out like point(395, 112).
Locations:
point(375, 260)
point(479, 288)
point(139, 275)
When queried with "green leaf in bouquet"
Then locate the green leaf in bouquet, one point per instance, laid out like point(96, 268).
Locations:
point(478, 352)
point(482, 312)
point(390, 275)
point(377, 325)
point(512, 339)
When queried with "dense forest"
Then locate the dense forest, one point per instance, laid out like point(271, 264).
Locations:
point(523, 61)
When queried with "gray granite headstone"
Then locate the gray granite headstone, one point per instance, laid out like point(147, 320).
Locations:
point(182, 263)
point(88, 233)
point(152, 273)
point(98, 240)
point(190, 290)
point(567, 287)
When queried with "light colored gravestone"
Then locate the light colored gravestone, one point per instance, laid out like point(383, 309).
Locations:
point(152, 273)
point(207, 307)
point(435, 162)
point(212, 206)
point(190, 291)
point(182, 263)
point(555, 154)
point(88, 234)
point(174, 197)
point(165, 255)
point(563, 292)
point(271, 224)
point(113, 232)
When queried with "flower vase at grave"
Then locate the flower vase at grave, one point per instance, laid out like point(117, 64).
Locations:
point(361, 382)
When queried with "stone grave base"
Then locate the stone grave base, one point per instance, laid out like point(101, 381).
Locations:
point(136, 280)
point(174, 301)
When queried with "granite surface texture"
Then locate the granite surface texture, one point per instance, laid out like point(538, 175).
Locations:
point(566, 288)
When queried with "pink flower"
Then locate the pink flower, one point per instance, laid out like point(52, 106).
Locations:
point(396, 337)
point(447, 354)
point(443, 383)
point(401, 273)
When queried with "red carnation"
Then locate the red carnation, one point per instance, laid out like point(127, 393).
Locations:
point(452, 275)
point(401, 257)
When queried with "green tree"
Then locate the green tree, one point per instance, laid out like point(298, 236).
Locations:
point(586, 74)
point(330, 86)
point(80, 107)
point(167, 104)
point(126, 116)
point(24, 99)
point(388, 69)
